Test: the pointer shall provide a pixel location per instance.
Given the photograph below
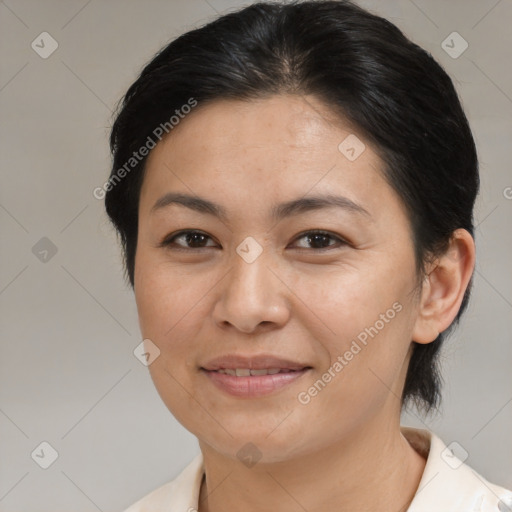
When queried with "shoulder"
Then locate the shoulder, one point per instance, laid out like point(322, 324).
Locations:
point(450, 484)
point(180, 494)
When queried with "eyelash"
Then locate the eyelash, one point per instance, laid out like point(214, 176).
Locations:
point(168, 241)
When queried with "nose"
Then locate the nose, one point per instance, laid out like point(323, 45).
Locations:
point(253, 297)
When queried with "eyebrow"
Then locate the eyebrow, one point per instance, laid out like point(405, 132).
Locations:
point(278, 212)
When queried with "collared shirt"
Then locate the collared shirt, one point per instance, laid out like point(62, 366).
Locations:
point(447, 484)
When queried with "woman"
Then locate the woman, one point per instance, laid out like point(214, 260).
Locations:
point(293, 185)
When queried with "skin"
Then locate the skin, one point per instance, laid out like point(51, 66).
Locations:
point(344, 449)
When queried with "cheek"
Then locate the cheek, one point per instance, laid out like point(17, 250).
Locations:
point(365, 329)
point(169, 306)
point(348, 300)
point(166, 297)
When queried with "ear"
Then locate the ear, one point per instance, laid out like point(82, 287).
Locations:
point(444, 286)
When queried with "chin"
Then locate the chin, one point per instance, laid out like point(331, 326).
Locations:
point(265, 444)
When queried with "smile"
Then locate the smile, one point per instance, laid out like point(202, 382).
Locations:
point(252, 383)
point(246, 372)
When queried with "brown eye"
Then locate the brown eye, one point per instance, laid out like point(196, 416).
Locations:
point(197, 240)
point(188, 239)
point(321, 240)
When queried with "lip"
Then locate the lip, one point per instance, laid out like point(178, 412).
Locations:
point(255, 385)
point(257, 362)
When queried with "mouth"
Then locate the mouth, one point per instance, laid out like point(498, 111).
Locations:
point(248, 372)
point(250, 377)
point(267, 362)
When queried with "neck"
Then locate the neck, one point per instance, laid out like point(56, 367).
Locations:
point(374, 468)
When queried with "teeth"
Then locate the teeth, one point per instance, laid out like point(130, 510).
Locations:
point(259, 372)
point(246, 372)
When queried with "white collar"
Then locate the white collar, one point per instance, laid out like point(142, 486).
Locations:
point(447, 484)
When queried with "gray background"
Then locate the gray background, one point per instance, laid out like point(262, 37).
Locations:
point(68, 375)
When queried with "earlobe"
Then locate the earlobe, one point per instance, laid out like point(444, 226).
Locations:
point(444, 286)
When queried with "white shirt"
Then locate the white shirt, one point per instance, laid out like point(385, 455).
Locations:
point(447, 484)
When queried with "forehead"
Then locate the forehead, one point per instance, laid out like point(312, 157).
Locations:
point(259, 151)
point(278, 125)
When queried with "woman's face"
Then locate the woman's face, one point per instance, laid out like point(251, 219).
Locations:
point(337, 309)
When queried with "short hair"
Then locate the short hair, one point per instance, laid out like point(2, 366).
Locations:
point(367, 72)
